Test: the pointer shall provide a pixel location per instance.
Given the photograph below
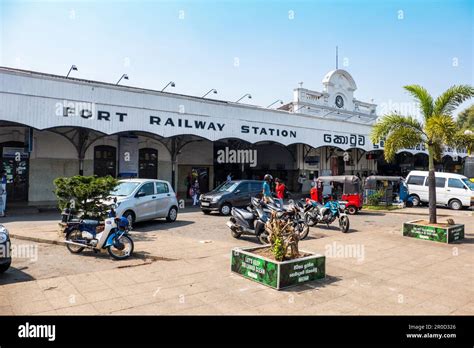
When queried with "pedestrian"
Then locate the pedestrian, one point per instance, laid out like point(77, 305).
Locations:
point(229, 177)
point(3, 194)
point(301, 180)
point(196, 193)
point(280, 189)
point(266, 191)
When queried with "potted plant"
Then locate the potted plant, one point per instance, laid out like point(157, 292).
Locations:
point(436, 130)
point(281, 263)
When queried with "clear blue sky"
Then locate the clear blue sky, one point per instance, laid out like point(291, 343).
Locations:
point(151, 43)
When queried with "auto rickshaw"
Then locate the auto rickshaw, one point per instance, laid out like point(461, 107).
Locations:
point(343, 187)
point(393, 187)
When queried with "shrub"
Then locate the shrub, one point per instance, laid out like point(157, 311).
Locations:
point(86, 194)
point(374, 198)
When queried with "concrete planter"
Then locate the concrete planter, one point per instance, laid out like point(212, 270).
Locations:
point(275, 274)
point(449, 234)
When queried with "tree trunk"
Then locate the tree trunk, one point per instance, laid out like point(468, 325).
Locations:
point(431, 185)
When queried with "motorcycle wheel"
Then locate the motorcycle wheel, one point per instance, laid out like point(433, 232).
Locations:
point(303, 230)
point(344, 223)
point(309, 221)
point(74, 236)
point(236, 235)
point(122, 254)
point(263, 238)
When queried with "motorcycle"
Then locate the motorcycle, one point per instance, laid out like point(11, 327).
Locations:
point(250, 221)
point(112, 236)
point(315, 213)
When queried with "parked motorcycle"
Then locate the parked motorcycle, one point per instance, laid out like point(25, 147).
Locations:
point(113, 236)
point(315, 213)
point(250, 221)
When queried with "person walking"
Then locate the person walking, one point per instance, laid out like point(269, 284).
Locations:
point(196, 192)
point(3, 194)
point(280, 189)
point(266, 190)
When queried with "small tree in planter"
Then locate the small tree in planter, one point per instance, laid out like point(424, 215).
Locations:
point(87, 192)
point(280, 264)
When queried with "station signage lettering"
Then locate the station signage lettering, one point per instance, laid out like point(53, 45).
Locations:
point(352, 139)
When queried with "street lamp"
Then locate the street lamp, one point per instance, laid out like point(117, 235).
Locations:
point(171, 83)
point(301, 107)
point(276, 101)
point(124, 76)
point(245, 95)
point(212, 90)
point(73, 67)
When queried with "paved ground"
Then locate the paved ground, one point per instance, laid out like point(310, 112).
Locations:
point(183, 268)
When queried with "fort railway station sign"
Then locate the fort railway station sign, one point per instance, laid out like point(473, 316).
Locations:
point(44, 101)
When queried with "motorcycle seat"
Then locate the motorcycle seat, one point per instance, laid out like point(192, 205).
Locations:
point(244, 214)
point(90, 222)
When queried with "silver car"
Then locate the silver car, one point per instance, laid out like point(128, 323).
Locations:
point(145, 199)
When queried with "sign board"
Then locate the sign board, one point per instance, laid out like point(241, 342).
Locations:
point(128, 156)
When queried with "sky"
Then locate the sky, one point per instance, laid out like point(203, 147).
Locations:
point(264, 48)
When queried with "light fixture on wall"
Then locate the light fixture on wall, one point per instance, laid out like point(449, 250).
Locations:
point(276, 101)
point(245, 95)
point(171, 83)
point(124, 76)
point(73, 67)
point(213, 90)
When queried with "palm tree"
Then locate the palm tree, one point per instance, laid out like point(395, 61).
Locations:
point(436, 129)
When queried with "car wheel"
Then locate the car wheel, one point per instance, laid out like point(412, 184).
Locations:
point(225, 209)
point(4, 267)
point(352, 210)
point(130, 216)
point(172, 214)
point(455, 204)
point(415, 200)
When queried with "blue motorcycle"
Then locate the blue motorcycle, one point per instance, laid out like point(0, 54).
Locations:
point(327, 213)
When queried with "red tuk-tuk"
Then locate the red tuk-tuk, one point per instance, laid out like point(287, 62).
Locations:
point(344, 187)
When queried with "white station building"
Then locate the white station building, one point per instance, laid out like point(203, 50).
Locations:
point(54, 126)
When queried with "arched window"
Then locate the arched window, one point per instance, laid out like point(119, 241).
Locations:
point(105, 160)
point(148, 163)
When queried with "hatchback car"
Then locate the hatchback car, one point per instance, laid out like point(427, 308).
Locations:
point(145, 199)
point(5, 249)
point(236, 193)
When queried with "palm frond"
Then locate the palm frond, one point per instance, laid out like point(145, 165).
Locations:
point(462, 141)
point(423, 97)
point(441, 128)
point(454, 96)
point(401, 138)
point(392, 122)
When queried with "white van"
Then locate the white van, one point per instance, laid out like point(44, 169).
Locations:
point(452, 190)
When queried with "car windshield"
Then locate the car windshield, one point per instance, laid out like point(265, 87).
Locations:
point(227, 187)
point(124, 188)
point(468, 183)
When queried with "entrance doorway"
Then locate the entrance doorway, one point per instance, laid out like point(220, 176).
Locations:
point(15, 163)
point(105, 160)
point(148, 163)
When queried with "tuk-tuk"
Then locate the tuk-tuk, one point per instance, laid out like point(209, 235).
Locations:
point(393, 187)
point(343, 187)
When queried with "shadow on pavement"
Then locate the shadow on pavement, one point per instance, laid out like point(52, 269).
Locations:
point(314, 285)
point(156, 225)
point(15, 275)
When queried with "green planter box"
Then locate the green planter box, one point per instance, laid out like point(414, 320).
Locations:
point(448, 234)
point(275, 274)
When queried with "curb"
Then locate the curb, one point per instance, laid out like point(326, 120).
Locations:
point(140, 254)
point(402, 212)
